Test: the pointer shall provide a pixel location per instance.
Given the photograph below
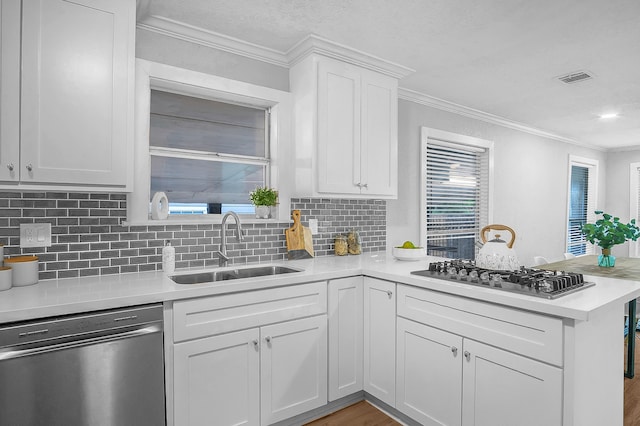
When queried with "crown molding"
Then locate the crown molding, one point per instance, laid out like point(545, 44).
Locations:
point(182, 31)
point(322, 46)
point(441, 104)
point(310, 44)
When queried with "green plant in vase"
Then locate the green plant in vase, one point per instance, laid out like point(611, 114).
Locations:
point(263, 198)
point(607, 232)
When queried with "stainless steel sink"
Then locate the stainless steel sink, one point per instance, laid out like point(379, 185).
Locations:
point(232, 274)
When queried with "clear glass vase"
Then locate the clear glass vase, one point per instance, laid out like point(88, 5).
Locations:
point(606, 259)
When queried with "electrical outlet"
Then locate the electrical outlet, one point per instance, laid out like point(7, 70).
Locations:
point(313, 225)
point(35, 235)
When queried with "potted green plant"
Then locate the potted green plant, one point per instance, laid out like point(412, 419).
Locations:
point(264, 198)
point(607, 232)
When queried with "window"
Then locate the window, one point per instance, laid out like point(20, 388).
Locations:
point(206, 155)
point(583, 178)
point(455, 189)
point(634, 199)
point(207, 141)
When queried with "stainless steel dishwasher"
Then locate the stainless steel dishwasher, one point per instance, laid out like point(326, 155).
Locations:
point(103, 368)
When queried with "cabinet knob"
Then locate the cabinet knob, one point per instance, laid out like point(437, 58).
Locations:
point(467, 355)
point(454, 350)
point(255, 343)
point(10, 167)
point(268, 339)
point(29, 167)
point(359, 185)
point(364, 185)
point(389, 293)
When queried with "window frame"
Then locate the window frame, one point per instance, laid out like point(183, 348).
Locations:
point(151, 75)
point(634, 204)
point(592, 202)
point(427, 133)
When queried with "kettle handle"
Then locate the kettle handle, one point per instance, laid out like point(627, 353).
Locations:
point(487, 228)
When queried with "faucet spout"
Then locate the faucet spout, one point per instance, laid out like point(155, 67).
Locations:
point(222, 253)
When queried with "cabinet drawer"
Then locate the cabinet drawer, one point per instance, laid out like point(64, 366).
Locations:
point(533, 335)
point(212, 315)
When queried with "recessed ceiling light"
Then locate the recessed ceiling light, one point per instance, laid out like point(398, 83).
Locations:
point(609, 115)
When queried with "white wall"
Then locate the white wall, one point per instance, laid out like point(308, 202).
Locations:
point(179, 53)
point(530, 180)
point(617, 192)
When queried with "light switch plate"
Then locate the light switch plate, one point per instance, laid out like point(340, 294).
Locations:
point(35, 235)
point(313, 225)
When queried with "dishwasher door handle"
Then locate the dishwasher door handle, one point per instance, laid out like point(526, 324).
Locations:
point(10, 353)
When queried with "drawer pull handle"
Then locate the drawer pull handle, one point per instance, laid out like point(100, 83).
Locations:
point(268, 339)
point(467, 355)
point(454, 350)
point(389, 293)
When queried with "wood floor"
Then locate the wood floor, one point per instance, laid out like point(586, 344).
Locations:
point(359, 414)
point(364, 414)
point(632, 391)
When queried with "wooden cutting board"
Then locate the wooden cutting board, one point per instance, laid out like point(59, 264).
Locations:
point(299, 240)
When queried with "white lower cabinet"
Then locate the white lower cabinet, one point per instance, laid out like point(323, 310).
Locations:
point(293, 368)
point(501, 388)
point(248, 358)
point(429, 375)
point(218, 378)
point(445, 379)
point(380, 339)
point(345, 336)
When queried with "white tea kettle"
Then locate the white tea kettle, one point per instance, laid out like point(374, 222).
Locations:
point(497, 253)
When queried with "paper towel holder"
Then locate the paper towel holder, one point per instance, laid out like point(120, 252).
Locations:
point(159, 206)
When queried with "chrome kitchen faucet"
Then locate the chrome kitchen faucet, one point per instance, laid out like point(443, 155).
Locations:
point(222, 253)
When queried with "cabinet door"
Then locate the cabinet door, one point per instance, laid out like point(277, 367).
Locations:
point(380, 339)
point(379, 130)
point(77, 81)
point(293, 368)
point(429, 374)
point(501, 388)
point(216, 380)
point(338, 128)
point(9, 90)
point(345, 337)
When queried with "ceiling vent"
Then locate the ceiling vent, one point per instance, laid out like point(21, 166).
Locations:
point(575, 77)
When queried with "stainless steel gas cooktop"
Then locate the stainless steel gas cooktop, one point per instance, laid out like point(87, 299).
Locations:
point(532, 282)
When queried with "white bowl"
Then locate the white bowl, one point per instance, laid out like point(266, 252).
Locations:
point(417, 253)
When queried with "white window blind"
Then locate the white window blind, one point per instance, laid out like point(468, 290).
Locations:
point(457, 182)
point(582, 206)
point(206, 153)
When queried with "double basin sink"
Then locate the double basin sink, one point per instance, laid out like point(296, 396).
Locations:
point(232, 274)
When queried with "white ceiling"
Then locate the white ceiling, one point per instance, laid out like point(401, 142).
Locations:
point(500, 57)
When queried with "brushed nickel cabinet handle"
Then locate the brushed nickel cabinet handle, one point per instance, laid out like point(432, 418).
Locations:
point(454, 350)
point(10, 167)
point(29, 167)
point(268, 339)
point(467, 355)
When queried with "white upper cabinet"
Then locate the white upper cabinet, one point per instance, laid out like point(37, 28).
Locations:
point(76, 95)
point(346, 122)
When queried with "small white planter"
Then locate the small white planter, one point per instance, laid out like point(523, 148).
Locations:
point(263, 212)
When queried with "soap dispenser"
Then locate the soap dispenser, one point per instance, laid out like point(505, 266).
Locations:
point(168, 258)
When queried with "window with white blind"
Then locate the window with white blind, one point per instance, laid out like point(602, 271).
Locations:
point(583, 178)
point(206, 155)
point(634, 202)
point(455, 189)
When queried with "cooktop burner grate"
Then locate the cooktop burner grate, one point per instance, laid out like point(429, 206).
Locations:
point(529, 281)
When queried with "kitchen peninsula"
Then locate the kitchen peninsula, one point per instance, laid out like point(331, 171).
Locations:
point(573, 342)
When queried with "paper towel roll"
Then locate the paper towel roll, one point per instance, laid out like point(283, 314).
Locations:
point(159, 206)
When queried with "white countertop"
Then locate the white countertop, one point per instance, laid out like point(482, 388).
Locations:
point(73, 295)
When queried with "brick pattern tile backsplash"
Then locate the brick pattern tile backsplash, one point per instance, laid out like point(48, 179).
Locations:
point(88, 237)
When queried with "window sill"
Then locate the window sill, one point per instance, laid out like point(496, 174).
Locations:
point(200, 220)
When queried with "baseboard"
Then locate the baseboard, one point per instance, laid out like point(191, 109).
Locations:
point(344, 402)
